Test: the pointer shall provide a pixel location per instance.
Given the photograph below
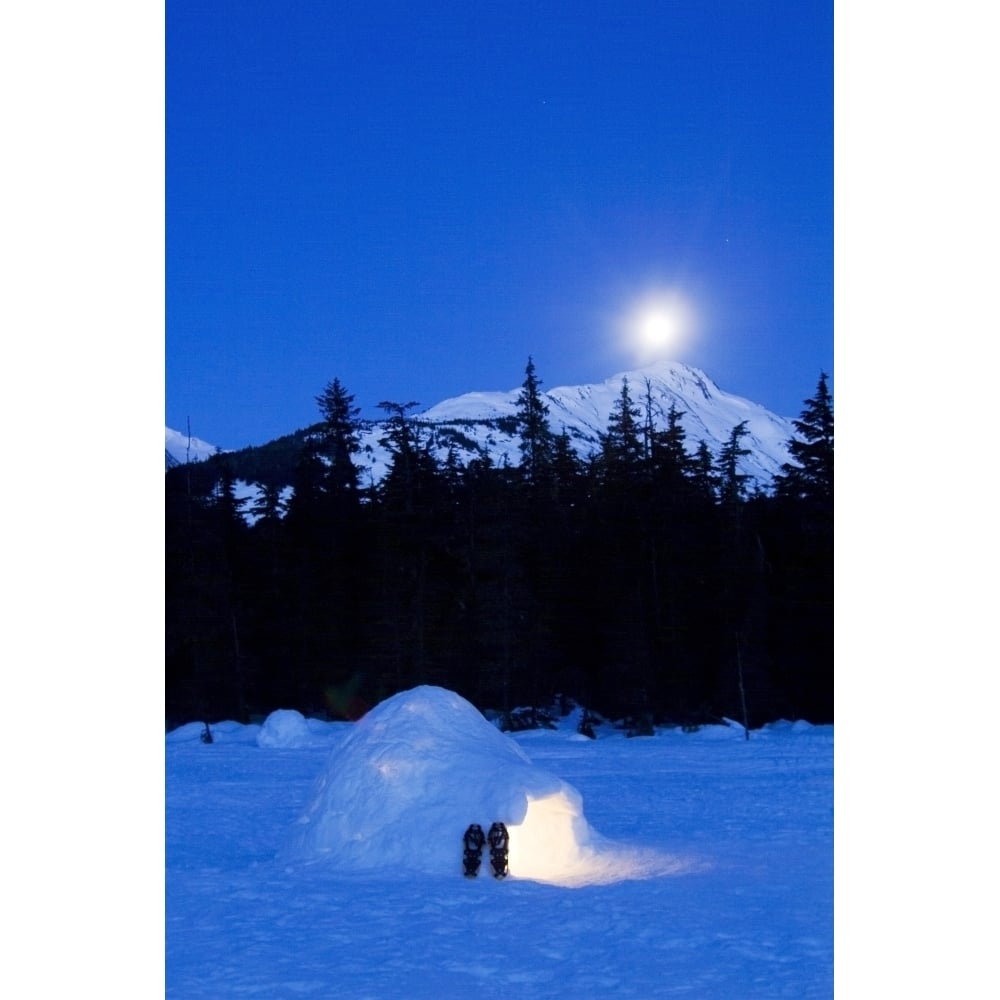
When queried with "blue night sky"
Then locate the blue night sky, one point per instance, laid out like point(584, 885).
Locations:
point(415, 197)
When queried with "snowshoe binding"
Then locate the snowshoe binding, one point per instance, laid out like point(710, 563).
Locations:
point(472, 857)
point(499, 840)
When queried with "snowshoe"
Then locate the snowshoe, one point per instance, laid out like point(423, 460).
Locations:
point(499, 841)
point(472, 857)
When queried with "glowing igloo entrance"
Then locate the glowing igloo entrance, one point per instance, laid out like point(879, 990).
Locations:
point(417, 770)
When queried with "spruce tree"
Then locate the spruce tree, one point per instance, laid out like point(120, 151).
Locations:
point(670, 458)
point(804, 574)
point(533, 423)
point(305, 508)
point(269, 507)
point(622, 442)
point(732, 482)
point(402, 439)
point(703, 478)
point(339, 437)
point(227, 505)
point(809, 475)
point(566, 467)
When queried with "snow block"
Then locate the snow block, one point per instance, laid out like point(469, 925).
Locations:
point(402, 788)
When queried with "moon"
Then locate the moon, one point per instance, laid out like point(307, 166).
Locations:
point(658, 326)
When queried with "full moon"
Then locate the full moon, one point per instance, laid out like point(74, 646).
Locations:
point(658, 326)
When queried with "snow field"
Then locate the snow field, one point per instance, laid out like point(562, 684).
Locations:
point(743, 906)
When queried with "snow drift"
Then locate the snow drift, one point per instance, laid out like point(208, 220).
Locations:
point(284, 728)
point(402, 788)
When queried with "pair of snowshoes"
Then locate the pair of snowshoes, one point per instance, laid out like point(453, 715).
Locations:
point(474, 841)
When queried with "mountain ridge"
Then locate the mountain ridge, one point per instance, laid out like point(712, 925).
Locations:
point(481, 423)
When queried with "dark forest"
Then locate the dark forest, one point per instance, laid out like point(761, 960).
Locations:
point(648, 582)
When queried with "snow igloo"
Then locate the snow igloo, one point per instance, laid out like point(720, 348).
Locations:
point(404, 785)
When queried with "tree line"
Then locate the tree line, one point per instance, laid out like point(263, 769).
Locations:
point(648, 582)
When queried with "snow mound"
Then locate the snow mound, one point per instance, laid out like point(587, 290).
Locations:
point(401, 789)
point(286, 729)
point(222, 732)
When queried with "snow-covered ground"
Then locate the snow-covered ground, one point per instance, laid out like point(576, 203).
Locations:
point(743, 905)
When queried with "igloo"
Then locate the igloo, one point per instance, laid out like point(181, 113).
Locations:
point(403, 786)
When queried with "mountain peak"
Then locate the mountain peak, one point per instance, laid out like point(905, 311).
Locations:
point(482, 423)
point(708, 414)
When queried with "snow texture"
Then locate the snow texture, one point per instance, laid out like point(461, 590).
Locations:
point(422, 766)
point(746, 909)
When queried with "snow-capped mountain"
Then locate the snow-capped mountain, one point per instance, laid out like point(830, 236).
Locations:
point(181, 448)
point(709, 414)
point(479, 424)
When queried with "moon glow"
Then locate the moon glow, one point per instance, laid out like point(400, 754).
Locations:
point(658, 326)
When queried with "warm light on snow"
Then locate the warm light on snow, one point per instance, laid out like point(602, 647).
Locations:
point(555, 844)
point(548, 845)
